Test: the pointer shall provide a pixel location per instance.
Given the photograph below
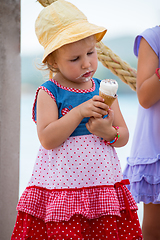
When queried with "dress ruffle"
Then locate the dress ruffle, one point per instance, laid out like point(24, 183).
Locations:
point(132, 161)
point(144, 182)
point(92, 202)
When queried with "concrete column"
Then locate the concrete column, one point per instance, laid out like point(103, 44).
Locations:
point(10, 85)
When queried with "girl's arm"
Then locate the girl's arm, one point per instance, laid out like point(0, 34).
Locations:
point(120, 122)
point(148, 84)
point(52, 131)
point(104, 127)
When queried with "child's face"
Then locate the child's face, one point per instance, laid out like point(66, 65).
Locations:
point(77, 62)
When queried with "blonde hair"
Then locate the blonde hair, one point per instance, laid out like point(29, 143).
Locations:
point(48, 66)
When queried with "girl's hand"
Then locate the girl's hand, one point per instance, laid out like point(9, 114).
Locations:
point(94, 107)
point(102, 127)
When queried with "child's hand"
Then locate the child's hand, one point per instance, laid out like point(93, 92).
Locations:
point(101, 127)
point(94, 107)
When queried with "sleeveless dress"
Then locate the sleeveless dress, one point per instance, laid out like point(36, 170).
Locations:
point(143, 164)
point(76, 190)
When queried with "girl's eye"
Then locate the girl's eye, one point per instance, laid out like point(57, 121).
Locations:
point(75, 59)
point(89, 53)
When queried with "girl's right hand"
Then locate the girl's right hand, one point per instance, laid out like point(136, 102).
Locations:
point(94, 107)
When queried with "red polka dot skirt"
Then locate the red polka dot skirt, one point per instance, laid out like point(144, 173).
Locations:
point(78, 228)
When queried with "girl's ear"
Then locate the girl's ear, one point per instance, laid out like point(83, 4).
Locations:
point(51, 59)
point(54, 64)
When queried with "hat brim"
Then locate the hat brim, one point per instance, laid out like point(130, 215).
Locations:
point(74, 32)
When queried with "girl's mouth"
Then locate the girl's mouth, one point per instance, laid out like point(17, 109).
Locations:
point(87, 74)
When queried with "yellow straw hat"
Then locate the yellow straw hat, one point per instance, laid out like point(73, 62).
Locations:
point(61, 23)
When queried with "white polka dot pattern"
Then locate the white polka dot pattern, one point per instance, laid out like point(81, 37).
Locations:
point(78, 228)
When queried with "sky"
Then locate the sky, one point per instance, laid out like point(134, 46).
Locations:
point(120, 17)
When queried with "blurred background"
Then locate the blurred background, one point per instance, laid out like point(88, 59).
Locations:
point(124, 20)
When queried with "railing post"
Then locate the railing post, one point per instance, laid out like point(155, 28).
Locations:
point(10, 85)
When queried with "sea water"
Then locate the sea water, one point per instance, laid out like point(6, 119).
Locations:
point(29, 143)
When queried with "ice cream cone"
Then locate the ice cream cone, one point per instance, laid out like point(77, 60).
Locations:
point(107, 99)
point(108, 91)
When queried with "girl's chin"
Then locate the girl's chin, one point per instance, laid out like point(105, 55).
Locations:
point(87, 79)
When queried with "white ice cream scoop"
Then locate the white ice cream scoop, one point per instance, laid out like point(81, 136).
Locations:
point(109, 87)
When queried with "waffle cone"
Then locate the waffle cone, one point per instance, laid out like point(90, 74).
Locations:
point(107, 99)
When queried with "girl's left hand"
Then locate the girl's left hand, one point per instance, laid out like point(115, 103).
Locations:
point(101, 127)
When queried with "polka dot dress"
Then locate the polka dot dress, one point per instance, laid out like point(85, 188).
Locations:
point(76, 190)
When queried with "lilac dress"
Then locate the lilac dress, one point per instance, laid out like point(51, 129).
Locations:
point(143, 164)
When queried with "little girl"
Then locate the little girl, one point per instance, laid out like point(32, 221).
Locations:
point(76, 190)
point(143, 164)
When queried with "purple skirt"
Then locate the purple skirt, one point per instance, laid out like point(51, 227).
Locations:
point(144, 182)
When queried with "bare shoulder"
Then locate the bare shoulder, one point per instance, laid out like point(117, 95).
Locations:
point(146, 53)
point(47, 110)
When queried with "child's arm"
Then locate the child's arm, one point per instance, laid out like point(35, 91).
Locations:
point(52, 131)
point(104, 127)
point(148, 84)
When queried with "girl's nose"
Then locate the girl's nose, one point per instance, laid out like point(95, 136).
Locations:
point(86, 63)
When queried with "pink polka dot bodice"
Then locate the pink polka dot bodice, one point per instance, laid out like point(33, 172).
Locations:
point(81, 161)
